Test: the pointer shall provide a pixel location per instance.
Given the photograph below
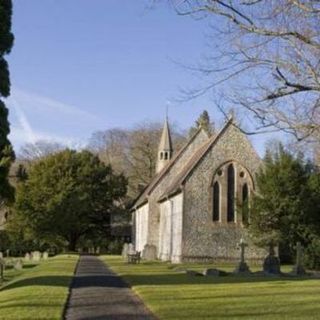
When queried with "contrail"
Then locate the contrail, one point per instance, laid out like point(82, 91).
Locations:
point(25, 124)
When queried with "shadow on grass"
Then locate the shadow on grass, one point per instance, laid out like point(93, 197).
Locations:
point(64, 281)
point(29, 266)
point(176, 279)
point(56, 281)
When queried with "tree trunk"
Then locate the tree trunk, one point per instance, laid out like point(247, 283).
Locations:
point(73, 242)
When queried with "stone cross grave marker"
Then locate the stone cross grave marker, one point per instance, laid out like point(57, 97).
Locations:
point(242, 267)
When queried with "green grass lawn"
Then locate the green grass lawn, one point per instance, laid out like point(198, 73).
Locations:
point(173, 295)
point(38, 291)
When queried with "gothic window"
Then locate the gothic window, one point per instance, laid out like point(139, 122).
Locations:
point(245, 204)
point(216, 202)
point(166, 155)
point(161, 155)
point(230, 194)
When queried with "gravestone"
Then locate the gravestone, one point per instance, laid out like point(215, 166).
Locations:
point(18, 265)
point(45, 255)
point(271, 264)
point(242, 267)
point(149, 252)
point(36, 255)
point(27, 256)
point(125, 250)
point(298, 269)
point(1, 255)
point(131, 248)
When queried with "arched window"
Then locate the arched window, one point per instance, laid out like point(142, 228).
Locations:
point(245, 204)
point(216, 202)
point(230, 194)
point(166, 155)
point(161, 155)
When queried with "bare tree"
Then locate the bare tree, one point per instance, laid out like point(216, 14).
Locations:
point(266, 60)
point(39, 149)
point(132, 151)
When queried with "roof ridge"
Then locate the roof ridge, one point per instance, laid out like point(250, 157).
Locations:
point(200, 153)
point(158, 177)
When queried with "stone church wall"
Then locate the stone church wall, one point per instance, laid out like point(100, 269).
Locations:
point(171, 229)
point(154, 208)
point(141, 226)
point(202, 237)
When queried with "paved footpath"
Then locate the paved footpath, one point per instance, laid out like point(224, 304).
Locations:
point(97, 294)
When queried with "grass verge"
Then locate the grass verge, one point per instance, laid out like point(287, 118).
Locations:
point(172, 295)
point(38, 291)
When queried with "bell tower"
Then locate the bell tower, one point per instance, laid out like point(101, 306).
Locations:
point(165, 147)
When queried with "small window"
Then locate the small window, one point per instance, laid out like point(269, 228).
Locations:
point(166, 155)
point(216, 202)
point(161, 155)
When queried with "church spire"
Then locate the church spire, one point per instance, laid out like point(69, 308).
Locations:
point(165, 147)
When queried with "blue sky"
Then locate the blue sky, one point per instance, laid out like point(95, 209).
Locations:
point(84, 65)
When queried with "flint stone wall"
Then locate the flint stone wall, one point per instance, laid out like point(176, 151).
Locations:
point(154, 208)
point(202, 237)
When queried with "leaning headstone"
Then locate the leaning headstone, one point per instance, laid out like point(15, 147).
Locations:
point(36, 256)
point(18, 265)
point(298, 268)
point(149, 252)
point(242, 266)
point(45, 255)
point(125, 250)
point(271, 264)
point(27, 256)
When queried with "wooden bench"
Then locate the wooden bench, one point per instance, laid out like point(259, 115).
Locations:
point(134, 257)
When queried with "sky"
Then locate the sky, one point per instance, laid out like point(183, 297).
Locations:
point(80, 66)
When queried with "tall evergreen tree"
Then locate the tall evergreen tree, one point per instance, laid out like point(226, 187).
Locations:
point(203, 122)
point(280, 209)
point(6, 151)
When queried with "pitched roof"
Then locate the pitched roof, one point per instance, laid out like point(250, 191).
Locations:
point(142, 198)
point(165, 142)
point(192, 163)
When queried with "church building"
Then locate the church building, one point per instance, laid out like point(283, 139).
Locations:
point(196, 208)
